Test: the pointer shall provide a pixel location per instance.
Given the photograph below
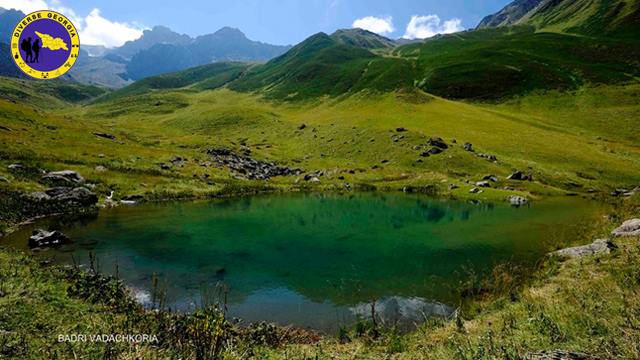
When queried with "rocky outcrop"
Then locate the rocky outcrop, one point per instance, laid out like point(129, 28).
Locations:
point(62, 178)
point(438, 143)
point(248, 167)
point(78, 196)
point(42, 238)
point(628, 228)
point(520, 176)
point(510, 14)
point(600, 246)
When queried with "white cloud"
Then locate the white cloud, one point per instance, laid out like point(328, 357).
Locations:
point(94, 28)
point(97, 30)
point(26, 6)
point(422, 27)
point(374, 24)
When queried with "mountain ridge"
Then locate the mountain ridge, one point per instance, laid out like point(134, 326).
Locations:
point(597, 18)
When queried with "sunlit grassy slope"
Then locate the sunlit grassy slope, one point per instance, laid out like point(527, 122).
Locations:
point(495, 64)
point(46, 94)
point(588, 141)
point(611, 18)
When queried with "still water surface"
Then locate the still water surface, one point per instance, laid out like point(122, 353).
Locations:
point(317, 260)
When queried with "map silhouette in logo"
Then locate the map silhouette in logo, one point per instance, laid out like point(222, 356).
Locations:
point(45, 44)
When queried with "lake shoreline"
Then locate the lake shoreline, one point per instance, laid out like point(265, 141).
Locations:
point(304, 338)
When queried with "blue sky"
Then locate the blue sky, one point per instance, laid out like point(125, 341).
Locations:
point(272, 21)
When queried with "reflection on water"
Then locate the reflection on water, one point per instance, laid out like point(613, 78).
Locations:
point(317, 260)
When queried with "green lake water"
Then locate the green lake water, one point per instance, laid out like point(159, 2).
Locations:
point(316, 260)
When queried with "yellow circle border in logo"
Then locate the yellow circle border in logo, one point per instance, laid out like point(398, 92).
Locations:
point(71, 30)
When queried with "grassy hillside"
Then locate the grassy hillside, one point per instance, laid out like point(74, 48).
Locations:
point(354, 140)
point(594, 18)
point(363, 39)
point(598, 18)
point(47, 94)
point(494, 64)
point(317, 66)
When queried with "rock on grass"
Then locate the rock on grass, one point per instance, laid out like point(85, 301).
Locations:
point(628, 228)
point(600, 246)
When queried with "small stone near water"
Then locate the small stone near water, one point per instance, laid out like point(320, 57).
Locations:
point(600, 246)
point(105, 135)
point(62, 178)
point(42, 238)
point(520, 176)
point(628, 228)
point(517, 200)
point(427, 189)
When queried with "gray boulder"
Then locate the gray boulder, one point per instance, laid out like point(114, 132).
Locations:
point(42, 238)
point(484, 184)
point(3, 179)
point(628, 228)
point(80, 195)
point(600, 246)
point(520, 176)
point(63, 178)
point(468, 147)
point(475, 191)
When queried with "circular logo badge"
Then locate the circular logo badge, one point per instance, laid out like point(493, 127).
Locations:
point(45, 44)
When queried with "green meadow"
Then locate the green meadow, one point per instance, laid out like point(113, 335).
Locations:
point(556, 98)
